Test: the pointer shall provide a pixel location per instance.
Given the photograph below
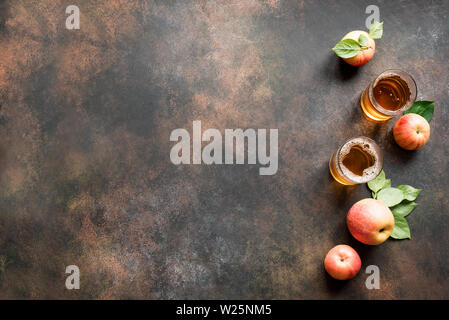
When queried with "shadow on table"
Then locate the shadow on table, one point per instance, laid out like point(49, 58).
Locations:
point(395, 152)
point(336, 67)
point(341, 194)
point(345, 71)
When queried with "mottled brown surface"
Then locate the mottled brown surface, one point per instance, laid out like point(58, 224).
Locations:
point(85, 174)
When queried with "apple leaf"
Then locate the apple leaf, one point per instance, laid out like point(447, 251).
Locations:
point(363, 40)
point(409, 192)
point(390, 196)
point(401, 229)
point(347, 48)
point(376, 30)
point(404, 208)
point(398, 199)
point(377, 183)
point(423, 108)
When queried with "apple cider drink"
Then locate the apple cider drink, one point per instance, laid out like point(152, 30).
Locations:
point(391, 93)
point(358, 160)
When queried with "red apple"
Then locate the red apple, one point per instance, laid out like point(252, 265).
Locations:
point(411, 131)
point(363, 56)
point(342, 262)
point(370, 221)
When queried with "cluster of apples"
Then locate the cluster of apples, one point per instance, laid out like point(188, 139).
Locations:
point(357, 48)
point(371, 222)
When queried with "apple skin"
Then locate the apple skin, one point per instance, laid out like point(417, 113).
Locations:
point(342, 262)
point(363, 56)
point(370, 221)
point(411, 131)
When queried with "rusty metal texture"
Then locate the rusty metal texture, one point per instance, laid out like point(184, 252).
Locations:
point(85, 172)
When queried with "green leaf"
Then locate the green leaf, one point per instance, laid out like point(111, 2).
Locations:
point(363, 40)
point(347, 48)
point(376, 30)
point(423, 108)
point(409, 192)
point(401, 229)
point(377, 183)
point(404, 208)
point(374, 194)
point(390, 196)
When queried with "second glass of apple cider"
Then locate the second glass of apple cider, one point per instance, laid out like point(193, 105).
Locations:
point(391, 93)
point(358, 160)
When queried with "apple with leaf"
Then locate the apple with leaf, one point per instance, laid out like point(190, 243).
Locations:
point(358, 47)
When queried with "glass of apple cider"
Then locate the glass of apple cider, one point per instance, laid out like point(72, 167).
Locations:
point(391, 93)
point(358, 160)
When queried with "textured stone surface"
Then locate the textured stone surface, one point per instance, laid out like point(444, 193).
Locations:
point(85, 174)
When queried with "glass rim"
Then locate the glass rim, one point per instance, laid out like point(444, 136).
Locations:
point(410, 82)
point(338, 155)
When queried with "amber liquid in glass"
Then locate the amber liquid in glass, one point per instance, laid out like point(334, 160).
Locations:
point(357, 160)
point(391, 93)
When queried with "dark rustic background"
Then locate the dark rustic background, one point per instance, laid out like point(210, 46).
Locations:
point(85, 174)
